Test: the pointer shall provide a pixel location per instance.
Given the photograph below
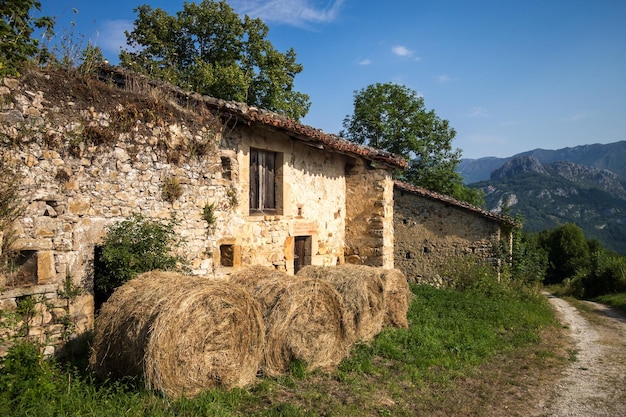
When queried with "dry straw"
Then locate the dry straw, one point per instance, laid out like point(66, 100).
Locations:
point(363, 294)
point(181, 334)
point(304, 318)
point(397, 298)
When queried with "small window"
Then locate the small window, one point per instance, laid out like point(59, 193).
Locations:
point(265, 184)
point(226, 168)
point(227, 255)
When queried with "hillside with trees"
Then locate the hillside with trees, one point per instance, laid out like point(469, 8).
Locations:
point(549, 195)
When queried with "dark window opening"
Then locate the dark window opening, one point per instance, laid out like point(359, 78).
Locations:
point(226, 168)
point(227, 255)
point(100, 296)
point(409, 255)
point(263, 181)
point(426, 249)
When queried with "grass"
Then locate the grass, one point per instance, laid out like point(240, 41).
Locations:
point(617, 301)
point(450, 348)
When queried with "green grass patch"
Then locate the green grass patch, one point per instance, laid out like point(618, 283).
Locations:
point(617, 301)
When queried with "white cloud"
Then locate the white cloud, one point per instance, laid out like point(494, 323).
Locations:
point(365, 61)
point(478, 112)
point(112, 38)
point(298, 13)
point(443, 78)
point(576, 117)
point(402, 51)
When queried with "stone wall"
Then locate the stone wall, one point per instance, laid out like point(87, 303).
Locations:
point(87, 159)
point(370, 211)
point(430, 232)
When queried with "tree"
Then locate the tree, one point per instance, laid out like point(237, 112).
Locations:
point(568, 252)
point(16, 29)
point(393, 117)
point(207, 48)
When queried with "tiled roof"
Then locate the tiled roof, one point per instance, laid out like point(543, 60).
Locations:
point(311, 135)
point(249, 115)
point(403, 186)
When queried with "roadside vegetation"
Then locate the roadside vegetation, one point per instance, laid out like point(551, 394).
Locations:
point(582, 268)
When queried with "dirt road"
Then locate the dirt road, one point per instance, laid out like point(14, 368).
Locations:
point(595, 382)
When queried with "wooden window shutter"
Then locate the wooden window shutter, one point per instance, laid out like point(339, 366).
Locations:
point(262, 180)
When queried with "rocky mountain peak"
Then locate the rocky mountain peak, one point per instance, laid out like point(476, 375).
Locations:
point(518, 165)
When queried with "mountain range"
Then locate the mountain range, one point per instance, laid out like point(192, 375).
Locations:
point(584, 185)
point(610, 156)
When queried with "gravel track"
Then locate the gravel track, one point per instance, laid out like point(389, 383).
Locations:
point(595, 383)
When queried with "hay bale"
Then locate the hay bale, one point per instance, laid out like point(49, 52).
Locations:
point(304, 319)
point(397, 298)
point(181, 334)
point(362, 291)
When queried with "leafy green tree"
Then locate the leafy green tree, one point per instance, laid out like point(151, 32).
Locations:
point(394, 118)
point(207, 48)
point(16, 28)
point(568, 252)
point(134, 246)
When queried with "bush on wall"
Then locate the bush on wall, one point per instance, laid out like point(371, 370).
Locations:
point(137, 245)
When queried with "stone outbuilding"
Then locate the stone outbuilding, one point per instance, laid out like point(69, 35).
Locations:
point(90, 152)
point(430, 229)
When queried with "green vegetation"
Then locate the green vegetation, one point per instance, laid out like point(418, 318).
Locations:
point(16, 28)
point(136, 245)
point(209, 216)
point(207, 48)
point(171, 189)
point(581, 267)
point(617, 301)
point(393, 117)
point(451, 334)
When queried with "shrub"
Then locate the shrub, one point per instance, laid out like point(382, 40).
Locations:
point(172, 189)
point(607, 275)
point(464, 273)
point(137, 245)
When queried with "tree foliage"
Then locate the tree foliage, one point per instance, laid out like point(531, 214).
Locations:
point(16, 28)
point(568, 252)
point(394, 118)
point(207, 48)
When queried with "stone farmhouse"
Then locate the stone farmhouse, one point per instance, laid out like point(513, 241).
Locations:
point(430, 229)
point(87, 156)
point(89, 152)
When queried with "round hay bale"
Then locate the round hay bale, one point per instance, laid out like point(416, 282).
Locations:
point(181, 334)
point(397, 298)
point(248, 277)
point(362, 292)
point(304, 319)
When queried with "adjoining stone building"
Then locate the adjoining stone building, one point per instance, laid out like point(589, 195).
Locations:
point(89, 153)
point(430, 229)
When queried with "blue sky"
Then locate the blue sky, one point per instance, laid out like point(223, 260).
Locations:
point(510, 76)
